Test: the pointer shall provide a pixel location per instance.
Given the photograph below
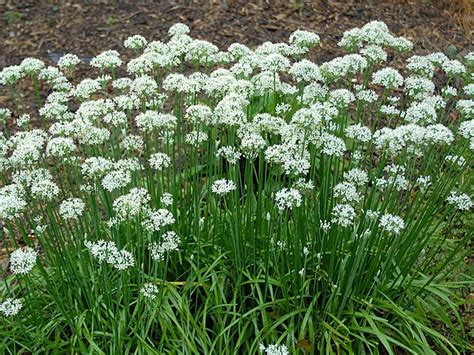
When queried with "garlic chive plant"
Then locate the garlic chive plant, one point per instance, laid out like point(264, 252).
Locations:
point(197, 200)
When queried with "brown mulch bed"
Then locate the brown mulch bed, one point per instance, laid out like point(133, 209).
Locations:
point(47, 30)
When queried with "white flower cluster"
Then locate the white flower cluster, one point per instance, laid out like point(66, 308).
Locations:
point(71, 208)
point(223, 187)
point(68, 61)
point(460, 200)
point(107, 60)
point(392, 224)
point(169, 242)
point(108, 252)
point(11, 307)
point(23, 260)
point(156, 220)
point(149, 290)
point(131, 205)
point(135, 42)
point(343, 215)
point(12, 201)
point(274, 349)
point(159, 161)
point(288, 198)
point(343, 137)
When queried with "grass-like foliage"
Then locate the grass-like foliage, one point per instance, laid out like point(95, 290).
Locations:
point(236, 202)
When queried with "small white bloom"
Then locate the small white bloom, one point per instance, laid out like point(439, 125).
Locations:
point(108, 252)
point(169, 242)
point(274, 349)
point(159, 161)
point(68, 62)
point(166, 199)
point(10, 307)
point(131, 205)
point(223, 187)
point(157, 219)
point(23, 260)
point(149, 290)
point(343, 215)
point(107, 60)
point(135, 42)
point(347, 193)
point(460, 200)
point(71, 208)
point(388, 77)
point(392, 224)
point(359, 132)
point(288, 198)
point(116, 179)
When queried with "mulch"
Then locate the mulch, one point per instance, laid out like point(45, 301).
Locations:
point(46, 30)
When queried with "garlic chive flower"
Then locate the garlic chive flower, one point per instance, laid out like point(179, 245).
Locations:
point(388, 77)
point(347, 193)
point(359, 132)
point(229, 153)
point(159, 161)
point(132, 204)
point(23, 260)
point(44, 189)
point(71, 208)
point(107, 60)
point(392, 224)
point(223, 186)
point(273, 349)
point(31, 66)
point(459, 200)
point(302, 41)
point(10, 75)
point(356, 176)
point(116, 179)
point(12, 201)
point(144, 86)
point(132, 143)
point(178, 29)
point(60, 147)
point(288, 198)
point(149, 290)
point(156, 220)
point(169, 242)
point(343, 215)
point(166, 199)
point(11, 307)
point(108, 252)
point(151, 120)
point(135, 42)
point(68, 62)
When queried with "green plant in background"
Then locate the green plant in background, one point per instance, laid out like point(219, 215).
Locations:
point(110, 21)
point(12, 17)
point(240, 201)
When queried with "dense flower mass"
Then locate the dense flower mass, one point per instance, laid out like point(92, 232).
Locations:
point(196, 199)
point(223, 187)
point(23, 260)
point(71, 208)
point(11, 307)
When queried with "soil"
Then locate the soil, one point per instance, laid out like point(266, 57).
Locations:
point(46, 30)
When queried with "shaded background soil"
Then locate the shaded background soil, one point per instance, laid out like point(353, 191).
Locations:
point(48, 29)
